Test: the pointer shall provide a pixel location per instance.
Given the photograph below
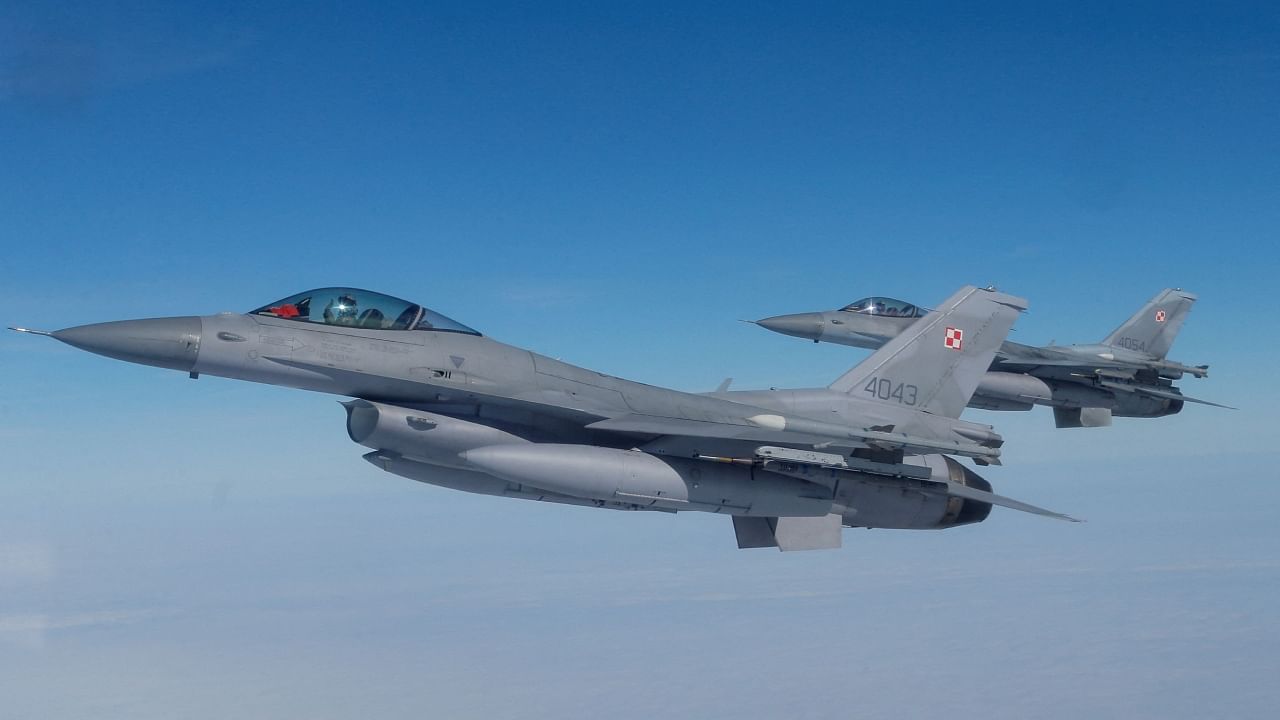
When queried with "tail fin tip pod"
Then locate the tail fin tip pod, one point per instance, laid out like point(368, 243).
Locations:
point(1154, 327)
point(937, 363)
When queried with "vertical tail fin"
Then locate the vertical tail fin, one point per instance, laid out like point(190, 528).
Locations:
point(1153, 328)
point(937, 363)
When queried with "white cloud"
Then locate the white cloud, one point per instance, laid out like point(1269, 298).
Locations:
point(30, 630)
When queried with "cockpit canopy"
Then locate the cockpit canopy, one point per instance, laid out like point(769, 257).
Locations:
point(884, 306)
point(351, 307)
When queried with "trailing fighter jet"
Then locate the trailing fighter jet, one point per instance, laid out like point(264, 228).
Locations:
point(440, 403)
point(1126, 375)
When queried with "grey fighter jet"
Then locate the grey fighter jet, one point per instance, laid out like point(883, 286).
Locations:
point(440, 403)
point(1126, 375)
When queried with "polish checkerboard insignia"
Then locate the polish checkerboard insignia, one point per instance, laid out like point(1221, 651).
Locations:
point(954, 338)
point(1160, 316)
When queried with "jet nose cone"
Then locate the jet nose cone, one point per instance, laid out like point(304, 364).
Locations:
point(805, 325)
point(163, 342)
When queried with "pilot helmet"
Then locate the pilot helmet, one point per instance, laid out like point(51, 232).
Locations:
point(346, 306)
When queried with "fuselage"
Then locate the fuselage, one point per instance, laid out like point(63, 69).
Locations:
point(443, 369)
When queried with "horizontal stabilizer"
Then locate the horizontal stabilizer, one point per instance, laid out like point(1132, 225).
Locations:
point(1168, 395)
point(964, 491)
point(1161, 393)
point(788, 533)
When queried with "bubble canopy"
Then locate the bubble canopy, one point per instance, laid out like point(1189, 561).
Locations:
point(352, 307)
point(883, 306)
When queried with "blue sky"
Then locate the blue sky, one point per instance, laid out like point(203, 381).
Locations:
point(615, 185)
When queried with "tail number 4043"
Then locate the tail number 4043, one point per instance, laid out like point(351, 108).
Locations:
point(886, 389)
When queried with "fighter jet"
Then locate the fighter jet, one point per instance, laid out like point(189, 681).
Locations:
point(438, 402)
point(1126, 375)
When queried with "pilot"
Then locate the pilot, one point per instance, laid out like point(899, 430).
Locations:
point(344, 312)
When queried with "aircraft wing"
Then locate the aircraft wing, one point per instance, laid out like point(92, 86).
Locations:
point(768, 427)
point(1013, 355)
point(1027, 356)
